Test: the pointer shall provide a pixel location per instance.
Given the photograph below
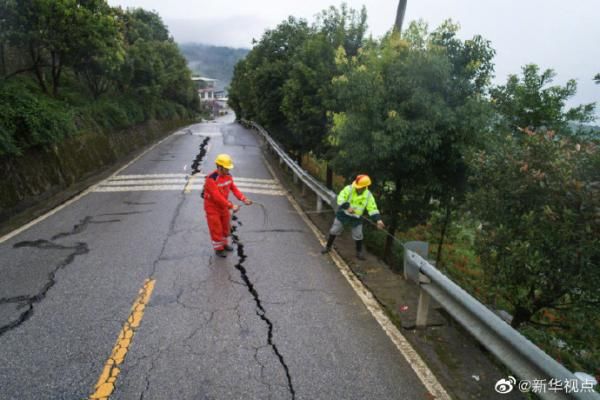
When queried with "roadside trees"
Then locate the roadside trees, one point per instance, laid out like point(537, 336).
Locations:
point(537, 195)
point(538, 199)
point(256, 90)
point(412, 107)
point(530, 101)
point(308, 92)
point(59, 34)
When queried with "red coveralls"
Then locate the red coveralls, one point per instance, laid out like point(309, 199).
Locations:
point(217, 206)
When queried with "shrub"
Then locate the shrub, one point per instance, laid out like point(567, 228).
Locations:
point(28, 118)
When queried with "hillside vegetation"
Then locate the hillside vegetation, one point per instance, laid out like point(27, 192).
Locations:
point(497, 178)
point(70, 66)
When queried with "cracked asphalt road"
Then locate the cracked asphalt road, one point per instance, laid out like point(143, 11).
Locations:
point(274, 320)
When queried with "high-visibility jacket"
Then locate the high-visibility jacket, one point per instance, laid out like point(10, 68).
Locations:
point(349, 198)
point(216, 191)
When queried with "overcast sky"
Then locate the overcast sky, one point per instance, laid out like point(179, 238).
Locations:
point(562, 35)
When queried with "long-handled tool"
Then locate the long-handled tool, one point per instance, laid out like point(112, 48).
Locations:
point(328, 211)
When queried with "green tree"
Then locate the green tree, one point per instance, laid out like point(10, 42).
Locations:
point(412, 108)
point(472, 69)
point(4, 30)
point(72, 44)
point(28, 119)
point(153, 66)
point(538, 200)
point(530, 102)
point(143, 24)
point(308, 91)
point(99, 67)
point(59, 34)
point(262, 75)
point(240, 100)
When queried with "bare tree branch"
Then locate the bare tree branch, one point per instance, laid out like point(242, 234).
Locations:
point(17, 72)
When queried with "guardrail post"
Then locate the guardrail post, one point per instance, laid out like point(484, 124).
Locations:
point(521, 356)
point(422, 309)
point(421, 248)
point(295, 178)
point(303, 189)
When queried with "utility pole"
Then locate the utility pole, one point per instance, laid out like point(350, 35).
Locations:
point(400, 15)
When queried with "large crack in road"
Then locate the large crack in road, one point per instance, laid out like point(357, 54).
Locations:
point(28, 301)
point(80, 248)
point(82, 226)
point(260, 311)
point(196, 164)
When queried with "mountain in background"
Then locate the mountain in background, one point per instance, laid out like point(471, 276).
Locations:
point(215, 62)
point(586, 131)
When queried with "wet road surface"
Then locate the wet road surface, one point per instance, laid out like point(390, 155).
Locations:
point(119, 294)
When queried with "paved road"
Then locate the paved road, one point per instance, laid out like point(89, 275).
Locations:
point(131, 263)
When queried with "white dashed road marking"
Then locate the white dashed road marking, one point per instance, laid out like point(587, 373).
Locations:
point(187, 183)
point(79, 196)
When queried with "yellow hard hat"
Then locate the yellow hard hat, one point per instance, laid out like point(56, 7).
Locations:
point(225, 161)
point(361, 181)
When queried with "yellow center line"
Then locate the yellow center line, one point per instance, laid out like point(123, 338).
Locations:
point(106, 383)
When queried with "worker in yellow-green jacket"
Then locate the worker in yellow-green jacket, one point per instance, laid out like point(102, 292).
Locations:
point(352, 202)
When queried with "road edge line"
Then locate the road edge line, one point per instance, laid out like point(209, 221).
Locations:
point(415, 361)
point(56, 209)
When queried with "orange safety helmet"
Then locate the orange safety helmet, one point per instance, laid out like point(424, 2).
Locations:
point(361, 181)
point(225, 161)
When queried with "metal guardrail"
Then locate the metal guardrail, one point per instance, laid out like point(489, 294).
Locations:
point(323, 194)
point(522, 357)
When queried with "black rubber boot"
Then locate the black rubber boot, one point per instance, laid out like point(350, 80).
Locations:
point(327, 247)
point(220, 253)
point(359, 250)
point(228, 248)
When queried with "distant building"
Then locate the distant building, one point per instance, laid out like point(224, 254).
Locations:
point(213, 100)
point(205, 87)
point(223, 107)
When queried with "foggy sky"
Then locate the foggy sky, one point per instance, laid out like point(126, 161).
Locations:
point(564, 36)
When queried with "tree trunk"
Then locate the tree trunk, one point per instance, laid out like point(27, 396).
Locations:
point(3, 71)
point(388, 253)
point(329, 177)
point(37, 67)
point(400, 16)
point(56, 70)
point(392, 226)
point(445, 223)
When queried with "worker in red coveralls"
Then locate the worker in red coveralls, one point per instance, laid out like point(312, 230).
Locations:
point(217, 186)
